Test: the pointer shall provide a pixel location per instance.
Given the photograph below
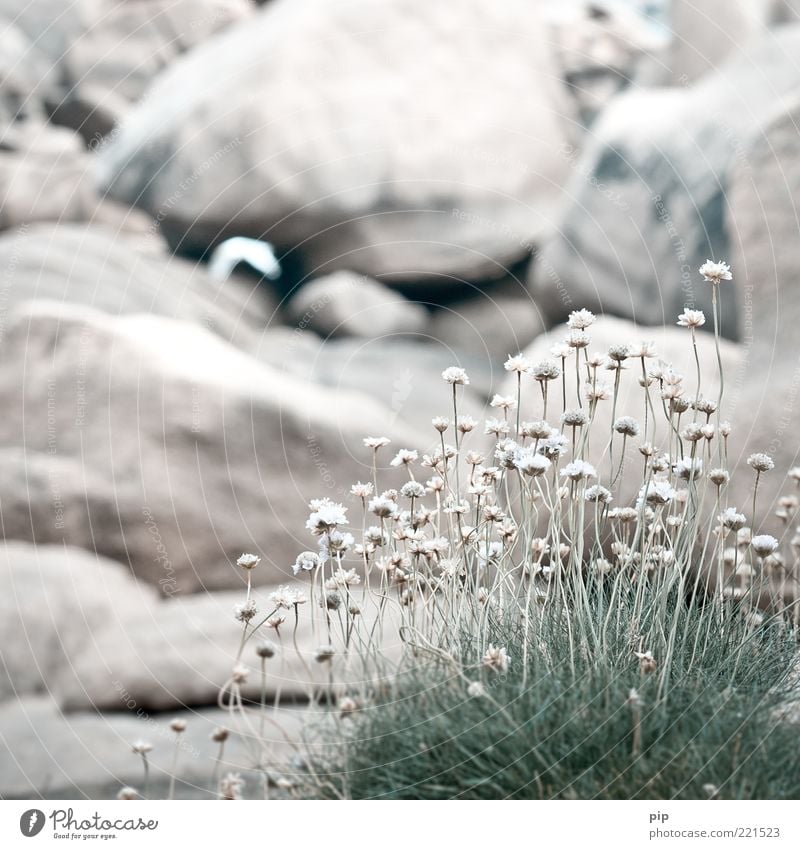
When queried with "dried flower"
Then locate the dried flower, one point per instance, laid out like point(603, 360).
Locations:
point(404, 457)
point(230, 786)
point(580, 319)
point(141, 747)
point(518, 363)
point(127, 793)
point(178, 725)
point(764, 544)
point(266, 649)
point(627, 426)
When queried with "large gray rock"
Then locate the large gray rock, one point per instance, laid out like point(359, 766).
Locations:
point(168, 449)
point(497, 321)
point(181, 652)
point(347, 304)
point(48, 754)
point(705, 34)
point(766, 262)
point(649, 196)
point(126, 273)
point(124, 46)
point(54, 601)
point(294, 127)
point(44, 175)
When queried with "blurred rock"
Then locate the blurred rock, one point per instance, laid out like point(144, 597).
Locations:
point(293, 127)
point(181, 652)
point(649, 200)
point(495, 322)
point(44, 175)
point(706, 34)
point(122, 49)
point(763, 194)
point(27, 79)
point(122, 273)
point(348, 304)
point(54, 601)
point(167, 448)
point(47, 754)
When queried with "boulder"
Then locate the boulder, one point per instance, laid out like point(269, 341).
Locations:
point(181, 652)
point(44, 175)
point(348, 304)
point(294, 127)
point(48, 754)
point(495, 322)
point(648, 198)
point(764, 224)
point(168, 449)
point(123, 273)
point(705, 34)
point(123, 47)
point(55, 600)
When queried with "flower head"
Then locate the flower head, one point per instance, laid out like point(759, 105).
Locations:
point(518, 363)
point(761, 462)
point(248, 561)
point(581, 319)
point(455, 376)
point(764, 544)
point(691, 318)
point(495, 659)
point(715, 272)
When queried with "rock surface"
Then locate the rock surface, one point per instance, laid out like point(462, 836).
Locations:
point(168, 449)
point(54, 601)
point(648, 199)
point(48, 754)
point(347, 304)
point(125, 273)
point(294, 127)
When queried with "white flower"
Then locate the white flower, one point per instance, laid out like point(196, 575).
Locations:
point(498, 427)
point(412, 489)
point(578, 470)
point(599, 494)
point(495, 659)
point(307, 561)
point(376, 442)
point(691, 318)
point(245, 612)
point(764, 544)
point(476, 690)
point(732, 520)
point(404, 457)
point(248, 561)
point(288, 598)
point(519, 363)
point(655, 493)
point(383, 507)
point(529, 462)
point(325, 515)
point(761, 462)
point(345, 578)
point(580, 319)
point(361, 490)
point(643, 349)
point(455, 376)
point(440, 423)
point(141, 747)
point(715, 272)
point(688, 468)
point(506, 402)
point(561, 351)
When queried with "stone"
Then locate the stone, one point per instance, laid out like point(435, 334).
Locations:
point(766, 262)
point(649, 194)
point(497, 321)
point(293, 127)
point(46, 753)
point(168, 449)
point(44, 174)
point(181, 653)
point(55, 600)
point(347, 304)
point(126, 273)
point(674, 346)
